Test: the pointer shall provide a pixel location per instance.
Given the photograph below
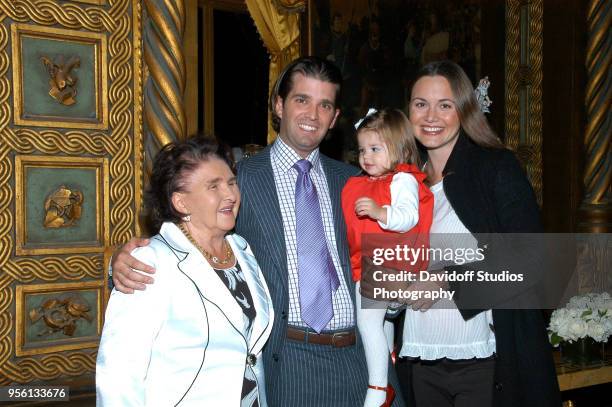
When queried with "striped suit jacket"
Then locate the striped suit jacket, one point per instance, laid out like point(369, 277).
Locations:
point(260, 223)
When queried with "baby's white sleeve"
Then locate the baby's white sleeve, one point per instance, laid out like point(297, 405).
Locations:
point(403, 213)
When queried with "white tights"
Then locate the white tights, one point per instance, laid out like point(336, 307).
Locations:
point(377, 337)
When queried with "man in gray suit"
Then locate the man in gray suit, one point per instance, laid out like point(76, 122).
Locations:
point(306, 364)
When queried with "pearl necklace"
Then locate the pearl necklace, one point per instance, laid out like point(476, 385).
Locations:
point(210, 257)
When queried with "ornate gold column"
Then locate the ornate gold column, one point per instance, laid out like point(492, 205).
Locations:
point(164, 112)
point(524, 35)
point(595, 208)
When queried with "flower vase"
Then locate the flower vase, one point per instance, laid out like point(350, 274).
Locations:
point(584, 351)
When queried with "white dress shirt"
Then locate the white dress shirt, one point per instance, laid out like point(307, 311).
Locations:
point(285, 176)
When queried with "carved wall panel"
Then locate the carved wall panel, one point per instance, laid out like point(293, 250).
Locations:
point(68, 100)
point(70, 175)
point(58, 317)
point(62, 205)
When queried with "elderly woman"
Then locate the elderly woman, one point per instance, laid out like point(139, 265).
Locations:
point(194, 338)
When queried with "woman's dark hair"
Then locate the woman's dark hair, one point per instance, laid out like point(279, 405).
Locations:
point(310, 67)
point(171, 166)
point(473, 121)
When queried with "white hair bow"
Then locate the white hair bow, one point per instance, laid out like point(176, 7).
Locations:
point(370, 112)
point(482, 95)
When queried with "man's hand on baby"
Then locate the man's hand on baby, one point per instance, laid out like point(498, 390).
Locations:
point(125, 278)
point(365, 206)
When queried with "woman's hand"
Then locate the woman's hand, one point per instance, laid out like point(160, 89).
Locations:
point(368, 283)
point(421, 303)
point(125, 278)
point(365, 206)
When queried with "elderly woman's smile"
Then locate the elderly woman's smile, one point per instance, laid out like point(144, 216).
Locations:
point(211, 197)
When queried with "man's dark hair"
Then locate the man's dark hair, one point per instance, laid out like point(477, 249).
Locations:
point(174, 162)
point(311, 67)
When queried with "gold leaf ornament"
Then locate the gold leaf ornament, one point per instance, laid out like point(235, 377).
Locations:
point(61, 314)
point(62, 81)
point(63, 208)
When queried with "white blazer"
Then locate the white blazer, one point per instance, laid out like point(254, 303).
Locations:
point(182, 341)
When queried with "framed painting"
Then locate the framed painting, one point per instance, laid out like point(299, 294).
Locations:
point(380, 45)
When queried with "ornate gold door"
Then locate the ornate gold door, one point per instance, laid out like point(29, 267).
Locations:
point(70, 176)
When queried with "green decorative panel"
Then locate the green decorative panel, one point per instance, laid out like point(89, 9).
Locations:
point(59, 77)
point(61, 204)
point(40, 183)
point(58, 316)
point(36, 99)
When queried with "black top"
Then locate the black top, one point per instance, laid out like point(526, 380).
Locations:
point(490, 193)
point(233, 278)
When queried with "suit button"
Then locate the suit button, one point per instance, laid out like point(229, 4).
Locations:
point(283, 315)
point(499, 386)
point(251, 359)
point(275, 357)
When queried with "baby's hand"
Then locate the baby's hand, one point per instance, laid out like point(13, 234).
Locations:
point(365, 206)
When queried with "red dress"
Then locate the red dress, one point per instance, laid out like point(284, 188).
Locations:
point(379, 189)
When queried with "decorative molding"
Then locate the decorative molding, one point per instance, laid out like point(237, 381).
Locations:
point(524, 35)
point(26, 269)
point(512, 72)
point(52, 366)
point(27, 141)
point(137, 135)
point(50, 12)
point(534, 137)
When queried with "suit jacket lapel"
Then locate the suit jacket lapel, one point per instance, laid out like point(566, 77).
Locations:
point(195, 267)
point(264, 198)
point(261, 301)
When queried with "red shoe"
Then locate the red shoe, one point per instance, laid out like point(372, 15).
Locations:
point(390, 394)
point(393, 356)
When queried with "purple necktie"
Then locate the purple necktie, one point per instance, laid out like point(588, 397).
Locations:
point(316, 272)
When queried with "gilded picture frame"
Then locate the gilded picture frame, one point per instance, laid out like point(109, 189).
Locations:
point(53, 292)
point(29, 81)
point(32, 175)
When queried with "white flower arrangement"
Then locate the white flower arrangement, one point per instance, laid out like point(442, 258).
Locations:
point(588, 315)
